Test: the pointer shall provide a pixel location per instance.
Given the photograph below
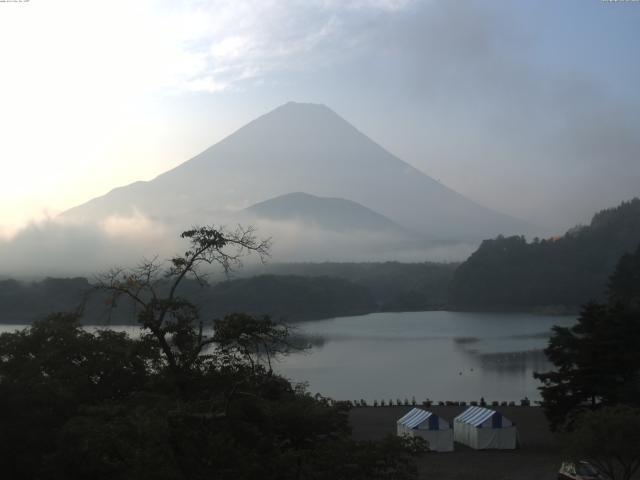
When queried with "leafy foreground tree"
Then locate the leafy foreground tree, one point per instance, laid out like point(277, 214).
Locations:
point(609, 439)
point(597, 360)
point(177, 402)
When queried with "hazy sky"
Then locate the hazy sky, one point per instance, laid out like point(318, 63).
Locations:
point(532, 108)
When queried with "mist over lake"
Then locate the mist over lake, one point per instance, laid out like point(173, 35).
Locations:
point(439, 355)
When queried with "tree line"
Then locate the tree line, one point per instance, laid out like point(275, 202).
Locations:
point(291, 292)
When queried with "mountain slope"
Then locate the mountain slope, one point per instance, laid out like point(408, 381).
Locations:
point(335, 214)
point(302, 147)
point(570, 270)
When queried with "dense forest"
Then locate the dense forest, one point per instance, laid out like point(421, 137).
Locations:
point(291, 292)
point(394, 285)
point(23, 302)
point(288, 297)
point(555, 273)
point(285, 297)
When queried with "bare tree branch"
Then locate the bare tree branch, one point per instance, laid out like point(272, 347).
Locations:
point(170, 319)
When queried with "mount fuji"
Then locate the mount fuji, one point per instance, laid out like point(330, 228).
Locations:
point(310, 149)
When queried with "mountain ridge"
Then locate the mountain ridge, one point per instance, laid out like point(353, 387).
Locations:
point(337, 214)
point(308, 148)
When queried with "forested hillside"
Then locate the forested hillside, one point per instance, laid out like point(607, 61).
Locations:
point(294, 292)
point(289, 298)
point(394, 285)
point(563, 272)
point(22, 302)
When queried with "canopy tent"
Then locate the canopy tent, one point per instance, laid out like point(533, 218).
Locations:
point(427, 425)
point(481, 428)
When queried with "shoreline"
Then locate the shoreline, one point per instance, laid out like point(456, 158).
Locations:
point(542, 311)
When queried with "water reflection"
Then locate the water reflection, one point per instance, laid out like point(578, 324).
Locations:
point(514, 360)
point(436, 355)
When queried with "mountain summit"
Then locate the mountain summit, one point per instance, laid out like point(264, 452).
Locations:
point(333, 214)
point(300, 147)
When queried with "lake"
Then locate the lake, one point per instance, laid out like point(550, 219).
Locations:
point(438, 355)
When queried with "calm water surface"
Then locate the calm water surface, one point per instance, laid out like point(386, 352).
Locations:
point(436, 355)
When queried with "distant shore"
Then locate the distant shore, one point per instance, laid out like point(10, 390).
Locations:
point(544, 311)
point(561, 310)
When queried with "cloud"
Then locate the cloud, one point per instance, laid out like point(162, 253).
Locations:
point(157, 45)
point(295, 241)
point(136, 227)
point(59, 248)
point(388, 5)
point(515, 113)
point(207, 84)
point(478, 103)
point(236, 41)
point(71, 248)
point(252, 44)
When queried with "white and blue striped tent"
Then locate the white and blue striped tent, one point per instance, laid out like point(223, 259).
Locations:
point(435, 430)
point(482, 428)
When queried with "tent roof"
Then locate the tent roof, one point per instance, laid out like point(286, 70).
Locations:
point(414, 418)
point(475, 415)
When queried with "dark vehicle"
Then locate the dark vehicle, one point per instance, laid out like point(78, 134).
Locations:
point(578, 471)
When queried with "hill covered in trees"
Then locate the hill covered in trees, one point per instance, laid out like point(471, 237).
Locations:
point(285, 297)
point(292, 292)
point(289, 297)
point(563, 272)
point(395, 286)
point(22, 302)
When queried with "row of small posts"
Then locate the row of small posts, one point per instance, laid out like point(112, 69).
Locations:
point(525, 402)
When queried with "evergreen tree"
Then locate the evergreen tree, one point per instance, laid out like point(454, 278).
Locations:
point(597, 360)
